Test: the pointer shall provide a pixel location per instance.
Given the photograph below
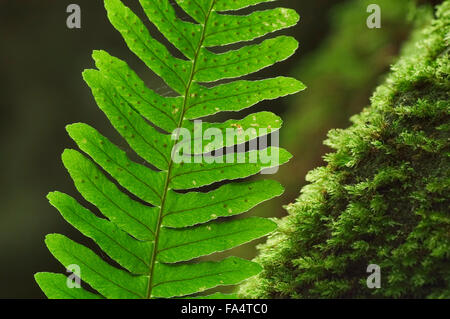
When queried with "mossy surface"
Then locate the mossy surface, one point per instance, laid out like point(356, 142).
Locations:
point(383, 197)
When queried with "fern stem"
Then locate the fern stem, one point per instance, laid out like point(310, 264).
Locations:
point(169, 170)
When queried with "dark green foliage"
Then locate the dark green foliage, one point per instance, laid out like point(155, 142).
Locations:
point(383, 197)
point(348, 68)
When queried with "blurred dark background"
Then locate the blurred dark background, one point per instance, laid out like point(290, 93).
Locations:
point(41, 60)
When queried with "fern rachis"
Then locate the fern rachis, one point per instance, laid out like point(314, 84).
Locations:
point(153, 241)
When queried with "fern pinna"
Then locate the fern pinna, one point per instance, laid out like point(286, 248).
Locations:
point(153, 238)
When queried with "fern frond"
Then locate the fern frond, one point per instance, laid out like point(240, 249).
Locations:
point(152, 236)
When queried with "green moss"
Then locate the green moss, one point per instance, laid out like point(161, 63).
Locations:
point(382, 199)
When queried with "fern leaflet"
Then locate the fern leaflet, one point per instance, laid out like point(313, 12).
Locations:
point(152, 242)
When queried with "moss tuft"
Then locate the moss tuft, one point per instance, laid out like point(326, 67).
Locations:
point(382, 199)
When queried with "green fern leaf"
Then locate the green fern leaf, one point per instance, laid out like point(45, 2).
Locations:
point(156, 236)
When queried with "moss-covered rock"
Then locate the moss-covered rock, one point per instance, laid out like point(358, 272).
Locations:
point(382, 199)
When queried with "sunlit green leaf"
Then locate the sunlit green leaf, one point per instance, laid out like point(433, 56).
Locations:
point(149, 217)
